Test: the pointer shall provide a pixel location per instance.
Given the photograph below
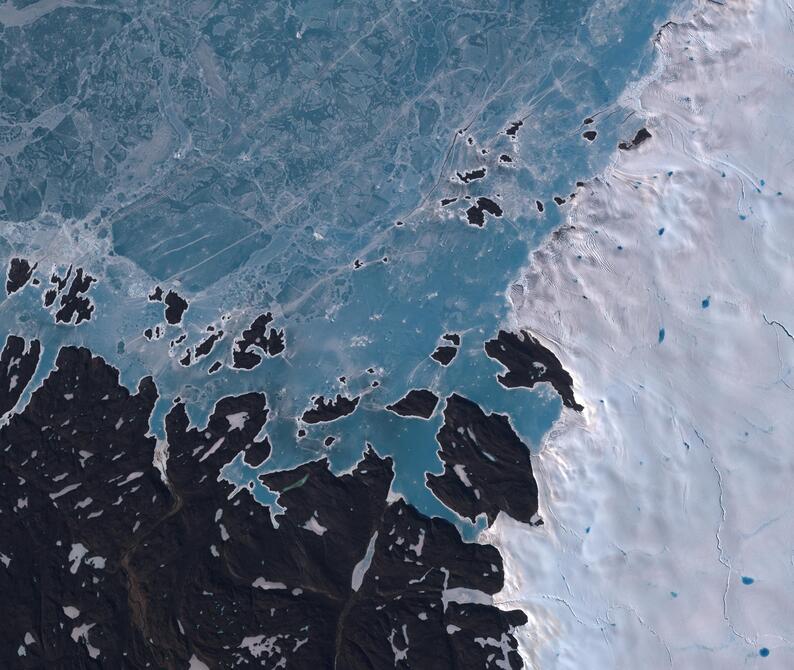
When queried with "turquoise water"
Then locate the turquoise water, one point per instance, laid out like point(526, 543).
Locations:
point(248, 154)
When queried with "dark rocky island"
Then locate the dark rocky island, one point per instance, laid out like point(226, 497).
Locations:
point(19, 273)
point(75, 306)
point(206, 345)
point(257, 337)
point(512, 129)
point(444, 354)
point(487, 468)
point(639, 138)
point(528, 363)
point(476, 213)
point(330, 410)
point(417, 402)
point(175, 307)
point(452, 337)
point(471, 175)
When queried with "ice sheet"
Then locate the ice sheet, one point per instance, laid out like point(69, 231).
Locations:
point(669, 535)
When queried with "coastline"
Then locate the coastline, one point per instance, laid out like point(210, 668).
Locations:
point(664, 295)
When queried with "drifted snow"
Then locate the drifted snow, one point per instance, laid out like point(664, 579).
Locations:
point(65, 490)
point(460, 471)
point(676, 480)
point(464, 595)
point(259, 644)
point(76, 554)
point(216, 445)
point(314, 525)
point(262, 583)
point(71, 611)
point(130, 478)
point(81, 633)
point(160, 459)
point(363, 565)
point(97, 562)
point(197, 664)
point(237, 420)
point(420, 543)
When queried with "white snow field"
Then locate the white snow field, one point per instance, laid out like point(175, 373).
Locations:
point(669, 503)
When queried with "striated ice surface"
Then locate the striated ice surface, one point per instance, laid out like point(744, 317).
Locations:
point(669, 539)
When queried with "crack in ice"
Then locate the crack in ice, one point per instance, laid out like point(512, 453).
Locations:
point(646, 626)
point(718, 535)
point(780, 325)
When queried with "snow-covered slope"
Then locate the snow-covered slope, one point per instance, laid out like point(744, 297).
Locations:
point(669, 535)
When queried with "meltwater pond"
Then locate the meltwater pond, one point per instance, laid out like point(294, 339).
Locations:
point(373, 174)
